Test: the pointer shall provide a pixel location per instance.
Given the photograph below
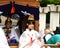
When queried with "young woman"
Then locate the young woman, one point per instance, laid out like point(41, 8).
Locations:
point(30, 38)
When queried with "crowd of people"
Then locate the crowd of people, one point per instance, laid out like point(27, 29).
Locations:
point(30, 38)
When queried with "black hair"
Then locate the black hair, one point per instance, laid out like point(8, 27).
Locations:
point(8, 21)
point(30, 22)
point(57, 31)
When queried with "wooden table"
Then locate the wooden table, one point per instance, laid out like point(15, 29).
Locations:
point(51, 45)
point(12, 45)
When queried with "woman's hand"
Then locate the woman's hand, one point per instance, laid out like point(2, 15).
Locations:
point(39, 38)
point(58, 43)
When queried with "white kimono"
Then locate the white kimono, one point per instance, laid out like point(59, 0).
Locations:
point(26, 38)
point(3, 40)
point(14, 35)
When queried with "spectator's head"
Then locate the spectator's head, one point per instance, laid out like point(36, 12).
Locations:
point(51, 31)
point(46, 31)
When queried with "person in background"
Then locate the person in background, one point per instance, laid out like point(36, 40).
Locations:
point(10, 31)
point(48, 35)
point(56, 38)
point(3, 40)
point(30, 38)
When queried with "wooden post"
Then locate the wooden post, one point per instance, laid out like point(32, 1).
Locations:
point(37, 25)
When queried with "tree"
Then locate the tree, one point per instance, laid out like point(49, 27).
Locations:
point(45, 2)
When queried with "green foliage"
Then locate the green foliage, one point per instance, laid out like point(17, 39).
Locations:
point(45, 2)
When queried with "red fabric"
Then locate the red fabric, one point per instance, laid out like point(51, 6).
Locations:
point(12, 9)
point(30, 38)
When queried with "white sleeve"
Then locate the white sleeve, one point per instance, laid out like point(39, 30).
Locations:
point(48, 36)
point(22, 41)
point(3, 40)
point(14, 34)
point(37, 34)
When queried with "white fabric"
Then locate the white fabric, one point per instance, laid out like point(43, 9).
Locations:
point(3, 40)
point(13, 34)
point(25, 38)
point(41, 35)
point(47, 37)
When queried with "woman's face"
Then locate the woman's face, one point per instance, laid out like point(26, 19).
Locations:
point(31, 26)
